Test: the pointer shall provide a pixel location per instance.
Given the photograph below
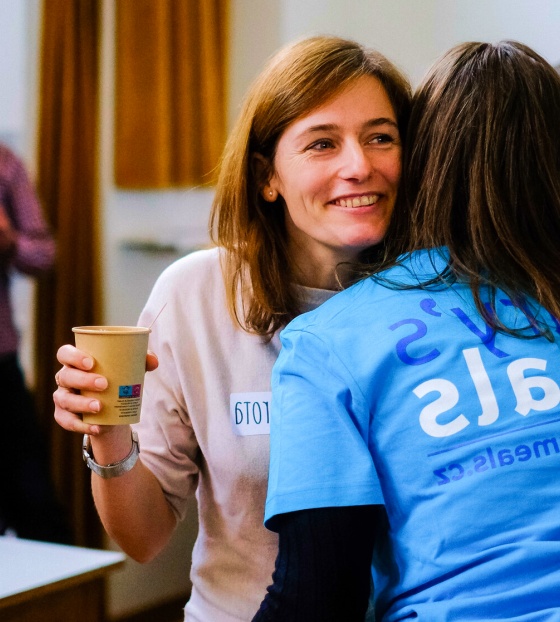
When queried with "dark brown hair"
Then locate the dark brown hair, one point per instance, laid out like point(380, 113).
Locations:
point(296, 80)
point(481, 175)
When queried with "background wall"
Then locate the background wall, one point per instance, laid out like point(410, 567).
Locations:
point(145, 231)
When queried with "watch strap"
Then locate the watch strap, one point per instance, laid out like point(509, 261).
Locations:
point(116, 468)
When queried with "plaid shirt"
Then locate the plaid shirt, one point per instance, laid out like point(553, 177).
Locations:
point(34, 246)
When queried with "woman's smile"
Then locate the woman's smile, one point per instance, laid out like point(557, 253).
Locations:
point(357, 201)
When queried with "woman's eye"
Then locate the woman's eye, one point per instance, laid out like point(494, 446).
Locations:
point(380, 139)
point(321, 145)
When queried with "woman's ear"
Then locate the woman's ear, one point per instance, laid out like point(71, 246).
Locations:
point(269, 194)
point(262, 170)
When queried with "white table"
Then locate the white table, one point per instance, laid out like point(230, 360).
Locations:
point(43, 582)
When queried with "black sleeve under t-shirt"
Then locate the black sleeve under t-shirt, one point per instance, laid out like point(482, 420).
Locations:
point(323, 569)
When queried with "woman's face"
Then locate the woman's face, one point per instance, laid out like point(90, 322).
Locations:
point(337, 169)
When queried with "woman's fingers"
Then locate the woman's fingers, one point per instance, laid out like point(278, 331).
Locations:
point(151, 361)
point(68, 409)
point(75, 374)
point(78, 380)
point(73, 402)
point(72, 357)
point(72, 378)
point(73, 422)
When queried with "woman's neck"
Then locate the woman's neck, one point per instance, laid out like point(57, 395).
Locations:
point(333, 276)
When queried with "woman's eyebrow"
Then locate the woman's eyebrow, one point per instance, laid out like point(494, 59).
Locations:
point(382, 121)
point(330, 127)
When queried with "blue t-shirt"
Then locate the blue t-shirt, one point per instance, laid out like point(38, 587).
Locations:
point(406, 397)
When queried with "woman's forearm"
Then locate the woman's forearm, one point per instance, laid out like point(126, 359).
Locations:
point(132, 506)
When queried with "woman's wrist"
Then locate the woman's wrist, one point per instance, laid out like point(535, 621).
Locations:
point(113, 469)
point(112, 444)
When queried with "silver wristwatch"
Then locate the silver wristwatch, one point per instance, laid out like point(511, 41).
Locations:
point(116, 468)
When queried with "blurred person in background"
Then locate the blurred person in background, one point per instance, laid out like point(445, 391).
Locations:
point(28, 504)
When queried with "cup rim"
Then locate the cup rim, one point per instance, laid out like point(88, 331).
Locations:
point(111, 330)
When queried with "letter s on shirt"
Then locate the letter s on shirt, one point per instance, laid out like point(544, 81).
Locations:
point(448, 397)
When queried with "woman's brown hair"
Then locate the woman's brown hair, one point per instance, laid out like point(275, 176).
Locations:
point(481, 175)
point(299, 78)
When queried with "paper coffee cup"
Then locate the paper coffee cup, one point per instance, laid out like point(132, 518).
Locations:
point(119, 354)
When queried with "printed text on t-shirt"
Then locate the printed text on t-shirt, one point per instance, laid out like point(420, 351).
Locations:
point(532, 391)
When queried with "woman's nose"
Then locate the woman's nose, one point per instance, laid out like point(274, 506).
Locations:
point(355, 163)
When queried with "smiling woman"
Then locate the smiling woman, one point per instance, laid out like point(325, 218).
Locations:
point(297, 84)
point(318, 133)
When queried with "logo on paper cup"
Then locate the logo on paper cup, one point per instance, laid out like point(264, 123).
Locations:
point(130, 390)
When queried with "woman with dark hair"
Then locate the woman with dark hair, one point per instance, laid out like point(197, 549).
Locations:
point(307, 185)
point(417, 413)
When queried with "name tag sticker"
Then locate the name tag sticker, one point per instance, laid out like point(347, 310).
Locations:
point(250, 413)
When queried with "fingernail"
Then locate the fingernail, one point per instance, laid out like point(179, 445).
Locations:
point(101, 383)
point(94, 406)
point(87, 363)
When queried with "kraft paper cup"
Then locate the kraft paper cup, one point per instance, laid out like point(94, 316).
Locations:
point(119, 354)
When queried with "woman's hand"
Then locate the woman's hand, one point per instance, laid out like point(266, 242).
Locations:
point(75, 376)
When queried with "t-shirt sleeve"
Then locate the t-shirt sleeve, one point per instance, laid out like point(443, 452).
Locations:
point(168, 444)
point(319, 431)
